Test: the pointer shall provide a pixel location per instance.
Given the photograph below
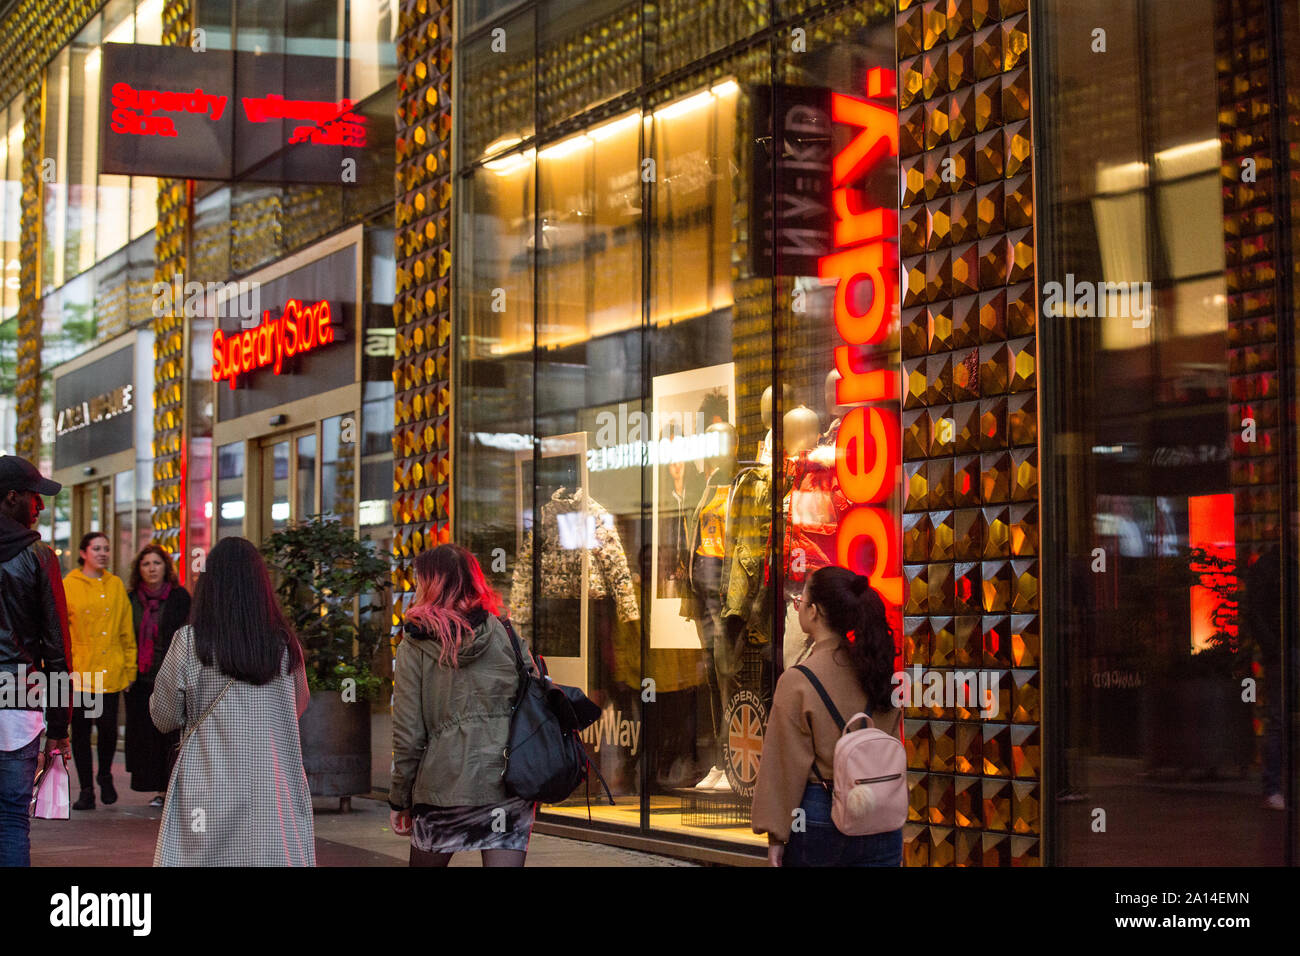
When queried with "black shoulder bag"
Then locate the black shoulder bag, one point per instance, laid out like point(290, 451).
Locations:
point(545, 758)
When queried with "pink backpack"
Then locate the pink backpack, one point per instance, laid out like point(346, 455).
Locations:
point(870, 774)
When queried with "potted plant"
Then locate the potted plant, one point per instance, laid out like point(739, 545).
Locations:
point(323, 574)
point(1195, 716)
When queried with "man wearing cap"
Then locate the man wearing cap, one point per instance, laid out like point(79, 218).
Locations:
point(33, 639)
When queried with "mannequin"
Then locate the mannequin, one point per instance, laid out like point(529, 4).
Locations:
point(765, 409)
point(835, 411)
point(800, 430)
point(706, 547)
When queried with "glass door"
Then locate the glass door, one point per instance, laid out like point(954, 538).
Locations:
point(289, 480)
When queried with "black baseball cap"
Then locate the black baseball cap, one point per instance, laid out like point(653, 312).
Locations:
point(19, 474)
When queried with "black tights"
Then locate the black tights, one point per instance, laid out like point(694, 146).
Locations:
point(490, 858)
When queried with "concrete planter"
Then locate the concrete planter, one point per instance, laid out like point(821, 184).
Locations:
point(336, 746)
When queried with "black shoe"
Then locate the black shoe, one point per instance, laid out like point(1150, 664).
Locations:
point(107, 793)
point(86, 801)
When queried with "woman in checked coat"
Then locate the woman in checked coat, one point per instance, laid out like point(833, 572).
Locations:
point(235, 681)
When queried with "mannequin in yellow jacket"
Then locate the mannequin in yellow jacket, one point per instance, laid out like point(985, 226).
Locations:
point(103, 643)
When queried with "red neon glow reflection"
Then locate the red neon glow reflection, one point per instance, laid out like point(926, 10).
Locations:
point(867, 448)
point(300, 329)
point(1211, 527)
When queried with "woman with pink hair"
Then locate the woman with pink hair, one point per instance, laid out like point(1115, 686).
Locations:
point(454, 684)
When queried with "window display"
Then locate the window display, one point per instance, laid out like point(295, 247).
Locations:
point(651, 443)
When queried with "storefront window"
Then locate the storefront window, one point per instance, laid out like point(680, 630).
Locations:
point(11, 188)
point(1170, 509)
point(87, 216)
point(619, 446)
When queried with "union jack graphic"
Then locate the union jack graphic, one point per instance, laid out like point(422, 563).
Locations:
point(745, 743)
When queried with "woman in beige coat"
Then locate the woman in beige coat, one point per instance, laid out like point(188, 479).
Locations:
point(234, 679)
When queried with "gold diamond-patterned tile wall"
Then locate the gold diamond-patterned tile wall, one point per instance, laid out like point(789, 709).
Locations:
point(1250, 233)
point(970, 428)
point(168, 497)
point(422, 305)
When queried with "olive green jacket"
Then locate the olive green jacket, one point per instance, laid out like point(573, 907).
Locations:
point(745, 590)
point(451, 724)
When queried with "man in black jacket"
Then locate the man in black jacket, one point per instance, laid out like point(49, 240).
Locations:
point(33, 642)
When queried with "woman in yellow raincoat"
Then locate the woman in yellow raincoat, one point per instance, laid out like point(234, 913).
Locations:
point(103, 649)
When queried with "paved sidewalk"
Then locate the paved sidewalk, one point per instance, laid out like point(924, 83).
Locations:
point(124, 835)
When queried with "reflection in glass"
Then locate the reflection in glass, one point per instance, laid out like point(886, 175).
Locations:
point(305, 481)
point(230, 490)
point(1168, 586)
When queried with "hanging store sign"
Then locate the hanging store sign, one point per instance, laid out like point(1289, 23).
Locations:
point(298, 330)
point(865, 270)
point(790, 225)
point(170, 111)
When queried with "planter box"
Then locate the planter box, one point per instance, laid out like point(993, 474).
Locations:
point(336, 746)
point(1197, 723)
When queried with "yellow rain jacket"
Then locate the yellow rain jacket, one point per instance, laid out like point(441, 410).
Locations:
point(99, 621)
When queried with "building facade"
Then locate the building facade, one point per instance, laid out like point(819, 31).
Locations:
point(658, 307)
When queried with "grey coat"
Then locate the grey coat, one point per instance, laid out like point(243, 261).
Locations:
point(238, 794)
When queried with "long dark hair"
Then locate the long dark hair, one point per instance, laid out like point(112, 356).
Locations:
point(449, 583)
point(169, 571)
point(86, 538)
point(854, 610)
point(236, 618)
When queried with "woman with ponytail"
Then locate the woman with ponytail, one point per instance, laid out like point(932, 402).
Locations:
point(853, 657)
point(454, 681)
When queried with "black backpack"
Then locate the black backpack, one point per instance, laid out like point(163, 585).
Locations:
point(545, 758)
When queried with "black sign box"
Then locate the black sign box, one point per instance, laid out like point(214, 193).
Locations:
point(223, 115)
point(790, 217)
point(86, 401)
point(332, 278)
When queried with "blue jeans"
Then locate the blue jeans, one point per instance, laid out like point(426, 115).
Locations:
point(17, 774)
point(820, 844)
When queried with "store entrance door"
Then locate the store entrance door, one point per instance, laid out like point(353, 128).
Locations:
point(92, 510)
point(288, 491)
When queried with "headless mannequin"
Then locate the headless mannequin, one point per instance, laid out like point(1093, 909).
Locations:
point(721, 660)
point(765, 409)
point(834, 410)
point(800, 430)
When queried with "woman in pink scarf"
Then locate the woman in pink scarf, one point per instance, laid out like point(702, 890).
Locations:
point(159, 608)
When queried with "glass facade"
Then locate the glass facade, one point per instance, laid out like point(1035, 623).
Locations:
point(1167, 280)
point(645, 400)
point(992, 302)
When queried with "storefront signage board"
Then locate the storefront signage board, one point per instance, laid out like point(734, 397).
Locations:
point(277, 368)
point(867, 447)
point(791, 212)
point(170, 111)
point(95, 409)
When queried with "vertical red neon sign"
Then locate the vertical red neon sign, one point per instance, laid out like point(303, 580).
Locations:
point(867, 452)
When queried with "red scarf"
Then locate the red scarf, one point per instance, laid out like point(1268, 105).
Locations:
point(151, 602)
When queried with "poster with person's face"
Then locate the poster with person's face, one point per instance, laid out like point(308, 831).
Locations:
point(684, 405)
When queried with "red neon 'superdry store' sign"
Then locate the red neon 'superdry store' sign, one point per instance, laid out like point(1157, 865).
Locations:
point(867, 448)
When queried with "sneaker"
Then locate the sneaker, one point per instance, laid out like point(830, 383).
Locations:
point(710, 781)
point(107, 793)
point(157, 802)
point(86, 801)
point(1275, 801)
